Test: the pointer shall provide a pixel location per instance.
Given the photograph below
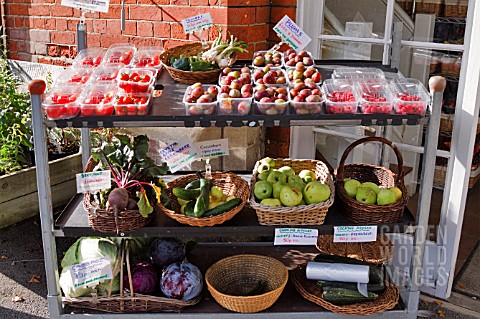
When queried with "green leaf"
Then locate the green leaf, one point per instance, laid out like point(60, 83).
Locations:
point(141, 147)
point(143, 204)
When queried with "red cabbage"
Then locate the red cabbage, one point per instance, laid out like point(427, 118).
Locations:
point(181, 281)
point(144, 278)
point(165, 251)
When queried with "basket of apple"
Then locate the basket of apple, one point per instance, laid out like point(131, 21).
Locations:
point(371, 194)
point(291, 192)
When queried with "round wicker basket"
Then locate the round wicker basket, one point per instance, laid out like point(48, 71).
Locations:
point(229, 278)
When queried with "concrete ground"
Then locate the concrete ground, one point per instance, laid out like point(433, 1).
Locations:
point(23, 286)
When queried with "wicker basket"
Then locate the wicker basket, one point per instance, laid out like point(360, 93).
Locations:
point(230, 183)
point(229, 278)
point(309, 290)
point(313, 214)
point(358, 212)
point(104, 220)
point(131, 303)
point(446, 123)
point(188, 77)
point(377, 252)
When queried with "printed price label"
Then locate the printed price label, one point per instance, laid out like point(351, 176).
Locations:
point(354, 234)
point(213, 148)
point(295, 236)
point(291, 33)
point(93, 181)
point(91, 272)
point(179, 154)
point(88, 5)
point(197, 22)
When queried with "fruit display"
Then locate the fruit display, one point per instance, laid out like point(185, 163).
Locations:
point(135, 80)
point(120, 53)
point(272, 59)
point(410, 96)
point(269, 77)
point(97, 100)
point(371, 193)
point(340, 97)
point(132, 103)
point(375, 97)
point(89, 57)
point(271, 100)
point(280, 186)
point(291, 58)
point(301, 74)
point(306, 98)
point(201, 99)
point(60, 101)
point(356, 74)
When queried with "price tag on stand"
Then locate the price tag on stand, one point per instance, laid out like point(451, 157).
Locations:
point(291, 33)
point(354, 234)
point(93, 181)
point(295, 236)
point(179, 154)
point(89, 273)
point(197, 23)
point(88, 5)
point(212, 148)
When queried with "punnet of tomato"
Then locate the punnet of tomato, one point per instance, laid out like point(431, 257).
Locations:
point(89, 57)
point(105, 74)
point(120, 53)
point(97, 100)
point(75, 75)
point(133, 80)
point(61, 102)
point(341, 97)
point(410, 95)
point(375, 96)
point(130, 104)
point(147, 57)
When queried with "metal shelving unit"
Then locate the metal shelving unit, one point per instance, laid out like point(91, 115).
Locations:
point(167, 110)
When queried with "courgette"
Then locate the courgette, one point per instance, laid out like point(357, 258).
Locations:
point(376, 272)
point(376, 288)
point(225, 207)
point(342, 296)
point(201, 205)
point(194, 184)
point(186, 194)
point(189, 209)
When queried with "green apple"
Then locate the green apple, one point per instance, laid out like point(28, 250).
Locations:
point(366, 195)
point(398, 193)
point(263, 175)
point(346, 180)
point(290, 196)
point(277, 176)
point(287, 170)
point(224, 197)
point(351, 187)
point(373, 186)
point(271, 202)
point(276, 189)
point(296, 181)
point(182, 202)
point(302, 202)
point(307, 176)
point(262, 189)
point(386, 197)
point(216, 194)
point(316, 192)
point(268, 160)
point(263, 167)
point(229, 198)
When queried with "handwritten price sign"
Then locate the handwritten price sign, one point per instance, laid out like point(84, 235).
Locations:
point(91, 272)
point(295, 236)
point(291, 33)
point(93, 181)
point(354, 234)
point(197, 23)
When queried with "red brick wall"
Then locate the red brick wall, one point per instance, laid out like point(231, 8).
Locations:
point(44, 31)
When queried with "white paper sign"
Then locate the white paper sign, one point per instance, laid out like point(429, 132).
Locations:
point(91, 272)
point(295, 236)
point(93, 181)
point(197, 22)
point(88, 5)
point(212, 148)
point(291, 33)
point(179, 154)
point(354, 234)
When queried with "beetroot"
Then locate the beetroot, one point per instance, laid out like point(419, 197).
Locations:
point(181, 281)
point(165, 251)
point(144, 278)
point(118, 199)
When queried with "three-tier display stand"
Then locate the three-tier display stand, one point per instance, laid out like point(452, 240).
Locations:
point(168, 111)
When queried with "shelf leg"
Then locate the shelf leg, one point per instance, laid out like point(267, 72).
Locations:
point(85, 139)
point(36, 88)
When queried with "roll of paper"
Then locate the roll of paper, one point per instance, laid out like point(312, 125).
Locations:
point(337, 272)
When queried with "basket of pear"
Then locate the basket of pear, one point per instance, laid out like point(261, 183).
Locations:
point(291, 192)
point(198, 201)
point(371, 194)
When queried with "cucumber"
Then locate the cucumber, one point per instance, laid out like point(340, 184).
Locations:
point(186, 194)
point(201, 205)
point(342, 296)
point(225, 207)
point(194, 184)
point(376, 272)
point(189, 208)
point(376, 288)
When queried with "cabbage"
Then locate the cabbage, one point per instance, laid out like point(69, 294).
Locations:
point(104, 286)
point(181, 281)
point(144, 278)
point(165, 251)
point(66, 283)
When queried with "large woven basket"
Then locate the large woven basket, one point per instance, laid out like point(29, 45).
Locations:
point(376, 252)
point(188, 77)
point(366, 214)
point(229, 278)
point(313, 214)
point(128, 302)
point(312, 292)
point(231, 184)
point(104, 220)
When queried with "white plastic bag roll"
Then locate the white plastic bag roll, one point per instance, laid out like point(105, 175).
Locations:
point(337, 272)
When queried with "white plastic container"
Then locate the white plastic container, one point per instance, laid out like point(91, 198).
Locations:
point(278, 65)
point(97, 100)
point(61, 101)
point(131, 85)
point(340, 96)
point(198, 108)
point(410, 96)
point(375, 97)
point(137, 104)
point(75, 75)
point(120, 53)
point(355, 74)
point(89, 57)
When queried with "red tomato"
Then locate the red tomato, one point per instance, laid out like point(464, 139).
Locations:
point(133, 75)
point(146, 78)
point(127, 100)
point(97, 61)
point(142, 109)
point(72, 110)
point(87, 111)
point(131, 109)
point(143, 100)
point(104, 110)
point(124, 77)
point(135, 78)
point(120, 110)
point(54, 112)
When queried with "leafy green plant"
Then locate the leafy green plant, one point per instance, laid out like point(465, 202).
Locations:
point(63, 140)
